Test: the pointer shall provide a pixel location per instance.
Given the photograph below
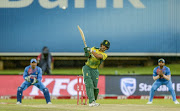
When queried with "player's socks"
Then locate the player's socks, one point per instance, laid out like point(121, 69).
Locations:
point(19, 94)
point(46, 95)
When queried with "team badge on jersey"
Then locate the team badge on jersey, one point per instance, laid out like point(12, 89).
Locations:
point(128, 86)
point(36, 72)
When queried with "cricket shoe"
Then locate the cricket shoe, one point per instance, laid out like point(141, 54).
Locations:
point(18, 102)
point(176, 102)
point(149, 102)
point(49, 103)
point(94, 104)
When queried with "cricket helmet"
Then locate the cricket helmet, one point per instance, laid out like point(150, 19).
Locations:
point(106, 43)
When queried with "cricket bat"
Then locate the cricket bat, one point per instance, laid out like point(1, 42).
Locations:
point(82, 35)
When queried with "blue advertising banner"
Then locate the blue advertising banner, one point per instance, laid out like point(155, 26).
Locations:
point(133, 26)
point(137, 85)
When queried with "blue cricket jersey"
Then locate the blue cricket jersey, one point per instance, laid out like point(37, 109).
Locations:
point(37, 72)
point(165, 70)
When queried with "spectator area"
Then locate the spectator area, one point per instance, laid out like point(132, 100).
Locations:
point(75, 60)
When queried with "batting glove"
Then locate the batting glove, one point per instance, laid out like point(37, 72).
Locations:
point(87, 49)
point(27, 78)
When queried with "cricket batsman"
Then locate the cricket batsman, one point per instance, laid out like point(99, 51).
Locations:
point(162, 76)
point(90, 70)
point(32, 76)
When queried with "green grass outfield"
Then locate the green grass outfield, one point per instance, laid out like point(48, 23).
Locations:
point(106, 105)
point(175, 70)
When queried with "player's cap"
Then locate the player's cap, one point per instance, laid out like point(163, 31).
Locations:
point(33, 60)
point(161, 59)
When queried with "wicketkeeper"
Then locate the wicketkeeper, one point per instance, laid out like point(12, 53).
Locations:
point(32, 76)
point(90, 70)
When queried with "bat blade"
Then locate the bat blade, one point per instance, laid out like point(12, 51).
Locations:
point(82, 35)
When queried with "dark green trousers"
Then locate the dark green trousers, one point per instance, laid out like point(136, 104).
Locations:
point(91, 77)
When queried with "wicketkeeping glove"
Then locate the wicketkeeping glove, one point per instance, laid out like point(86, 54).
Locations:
point(35, 81)
point(27, 78)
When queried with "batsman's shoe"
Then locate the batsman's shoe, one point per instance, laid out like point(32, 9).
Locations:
point(49, 103)
point(18, 102)
point(149, 102)
point(94, 104)
point(176, 102)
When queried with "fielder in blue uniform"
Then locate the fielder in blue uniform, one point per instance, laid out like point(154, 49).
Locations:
point(32, 76)
point(162, 76)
